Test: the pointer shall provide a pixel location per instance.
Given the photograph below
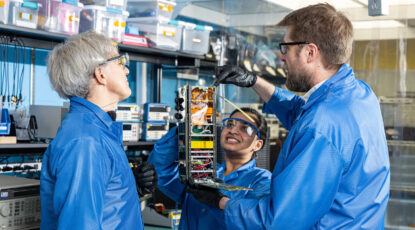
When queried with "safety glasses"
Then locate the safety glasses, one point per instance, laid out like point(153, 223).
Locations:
point(242, 125)
point(124, 60)
point(284, 45)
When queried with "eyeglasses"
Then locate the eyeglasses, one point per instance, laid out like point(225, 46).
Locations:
point(283, 45)
point(124, 60)
point(243, 126)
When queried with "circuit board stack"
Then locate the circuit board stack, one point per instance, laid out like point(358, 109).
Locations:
point(196, 107)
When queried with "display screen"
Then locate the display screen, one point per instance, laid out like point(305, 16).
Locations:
point(158, 109)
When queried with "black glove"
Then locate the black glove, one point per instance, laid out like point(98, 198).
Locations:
point(234, 75)
point(145, 178)
point(205, 195)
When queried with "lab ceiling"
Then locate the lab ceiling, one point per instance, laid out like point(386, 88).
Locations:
point(256, 16)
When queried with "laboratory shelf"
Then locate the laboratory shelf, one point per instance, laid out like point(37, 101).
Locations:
point(403, 188)
point(208, 66)
point(40, 39)
point(39, 148)
point(23, 148)
point(139, 145)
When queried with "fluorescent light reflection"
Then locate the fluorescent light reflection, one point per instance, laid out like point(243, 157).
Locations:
point(377, 24)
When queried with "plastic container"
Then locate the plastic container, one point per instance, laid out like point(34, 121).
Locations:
point(400, 214)
point(23, 13)
point(153, 9)
point(174, 216)
point(5, 122)
point(4, 11)
point(61, 16)
point(115, 4)
point(160, 33)
point(195, 38)
point(106, 21)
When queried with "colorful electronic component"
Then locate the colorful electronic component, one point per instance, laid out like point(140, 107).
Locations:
point(197, 133)
point(196, 109)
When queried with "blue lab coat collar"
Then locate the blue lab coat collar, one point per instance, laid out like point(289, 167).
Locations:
point(342, 77)
point(234, 174)
point(79, 102)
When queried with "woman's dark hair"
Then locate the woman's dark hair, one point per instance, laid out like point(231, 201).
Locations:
point(260, 122)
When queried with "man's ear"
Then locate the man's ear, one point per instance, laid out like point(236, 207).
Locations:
point(312, 52)
point(100, 76)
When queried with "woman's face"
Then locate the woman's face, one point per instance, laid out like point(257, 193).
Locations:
point(235, 140)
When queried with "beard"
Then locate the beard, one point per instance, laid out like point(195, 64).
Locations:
point(298, 82)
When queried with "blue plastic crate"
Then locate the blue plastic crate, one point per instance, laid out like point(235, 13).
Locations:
point(5, 122)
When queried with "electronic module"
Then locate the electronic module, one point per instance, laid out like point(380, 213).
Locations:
point(196, 113)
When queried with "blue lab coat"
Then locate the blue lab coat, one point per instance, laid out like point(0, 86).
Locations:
point(86, 180)
point(194, 214)
point(333, 170)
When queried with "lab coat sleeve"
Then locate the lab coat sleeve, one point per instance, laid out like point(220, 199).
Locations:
point(164, 157)
point(82, 174)
point(262, 185)
point(285, 105)
point(301, 193)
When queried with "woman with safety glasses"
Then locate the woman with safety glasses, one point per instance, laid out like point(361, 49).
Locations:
point(240, 139)
point(86, 181)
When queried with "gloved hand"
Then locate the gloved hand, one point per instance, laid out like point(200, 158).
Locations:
point(234, 75)
point(205, 195)
point(145, 178)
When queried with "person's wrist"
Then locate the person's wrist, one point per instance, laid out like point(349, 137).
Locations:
point(254, 79)
point(251, 79)
point(223, 202)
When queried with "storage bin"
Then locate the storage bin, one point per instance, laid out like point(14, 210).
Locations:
point(23, 13)
point(402, 163)
point(106, 21)
point(61, 16)
point(115, 4)
point(4, 11)
point(160, 33)
point(154, 9)
point(195, 38)
point(400, 214)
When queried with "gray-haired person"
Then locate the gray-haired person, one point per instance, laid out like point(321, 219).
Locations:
point(86, 180)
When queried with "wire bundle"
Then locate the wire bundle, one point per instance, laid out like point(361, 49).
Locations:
point(12, 67)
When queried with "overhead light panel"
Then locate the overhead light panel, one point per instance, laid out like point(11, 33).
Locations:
point(377, 24)
point(296, 4)
point(392, 2)
point(402, 2)
point(364, 2)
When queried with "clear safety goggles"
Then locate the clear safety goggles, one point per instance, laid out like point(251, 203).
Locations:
point(124, 60)
point(242, 125)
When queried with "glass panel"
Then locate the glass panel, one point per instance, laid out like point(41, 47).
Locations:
point(383, 56)
point(44, 94)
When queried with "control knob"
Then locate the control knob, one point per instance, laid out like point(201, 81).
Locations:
point(5, 210)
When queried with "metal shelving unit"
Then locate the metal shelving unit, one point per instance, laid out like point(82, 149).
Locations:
point(23, 148)
point(40, 39)
point(139, 145)
point(39, 148)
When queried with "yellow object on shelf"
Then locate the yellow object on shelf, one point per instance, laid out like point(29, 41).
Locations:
point(202, 144)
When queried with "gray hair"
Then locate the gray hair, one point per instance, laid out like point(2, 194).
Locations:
point(72, 64)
